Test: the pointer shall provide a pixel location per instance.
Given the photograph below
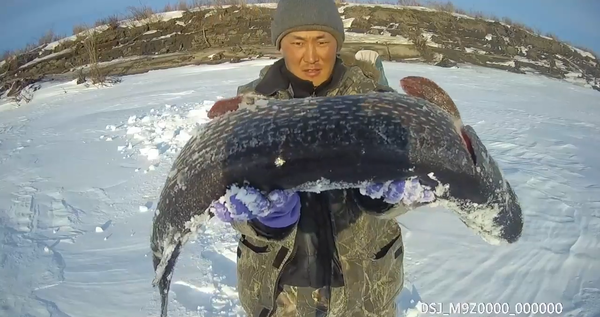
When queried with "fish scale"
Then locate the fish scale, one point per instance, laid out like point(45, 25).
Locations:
point(380, 137)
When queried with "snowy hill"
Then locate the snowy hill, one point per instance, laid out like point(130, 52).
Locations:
point(82, 169)
point(220, 34)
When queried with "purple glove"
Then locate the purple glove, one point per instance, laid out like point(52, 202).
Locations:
point(279, 209)
point(407, 191)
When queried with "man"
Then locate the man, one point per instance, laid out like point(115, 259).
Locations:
point(373, 58)
point(337, 253)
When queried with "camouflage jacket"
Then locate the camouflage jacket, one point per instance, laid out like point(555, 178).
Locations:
point(362, 268)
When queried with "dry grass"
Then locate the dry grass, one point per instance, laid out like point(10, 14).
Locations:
point(525, 27)
point(186, 5)
point(113, 21)
point(552, 36)
point(410, 3)
point(12, 53)
point(478, 14)
point(168, 7)
point(6, 55)
point(587, 49)
point(78, 28)
point(460, 11)
point(220, 3)
point(449, 7)
point(183, 5)
point(145, 12)
point(140, 13)
point(507, 20)
point(443, 6)
point(49, 37)
point(420, 43)
point(92, 53)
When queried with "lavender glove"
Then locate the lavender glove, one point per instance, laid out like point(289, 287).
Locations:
point(279, 209)
point(407, 191)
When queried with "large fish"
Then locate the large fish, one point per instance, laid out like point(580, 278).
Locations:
point(322, 143)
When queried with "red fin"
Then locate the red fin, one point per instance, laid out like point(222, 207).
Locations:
point(427, 89)
point(223, 106)
point(422, 87)
point(468, 145)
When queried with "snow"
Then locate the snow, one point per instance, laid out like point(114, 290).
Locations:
point(428, 36)
point(76, 210)
point(353, 37)
point(257, 204)
point(408, 192)
point(475, 50)
point(576, 78)
point(52, 45)
point(543, 62)
point(125, 59)
point(395, 6)
point(272, 5)
point(347, 23)
point(509, 63)
point(47, 57)
point(161, 16)
point(523, 50)
point(165, 36)
point(383, 5)
point(583, 53)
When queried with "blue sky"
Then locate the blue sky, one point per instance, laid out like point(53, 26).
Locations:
point(24, 21)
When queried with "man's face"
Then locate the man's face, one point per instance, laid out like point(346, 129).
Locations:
point(310, 55)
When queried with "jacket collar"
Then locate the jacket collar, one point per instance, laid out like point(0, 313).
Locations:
point(278, 78)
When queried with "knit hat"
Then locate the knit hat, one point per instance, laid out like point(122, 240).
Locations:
point(306, 15)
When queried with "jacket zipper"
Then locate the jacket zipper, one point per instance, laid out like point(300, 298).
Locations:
point(287, 262)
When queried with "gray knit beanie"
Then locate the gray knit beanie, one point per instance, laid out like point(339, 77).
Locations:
point(306, 15)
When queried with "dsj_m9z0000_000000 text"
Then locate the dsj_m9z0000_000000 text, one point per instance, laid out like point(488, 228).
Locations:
point(490, 309)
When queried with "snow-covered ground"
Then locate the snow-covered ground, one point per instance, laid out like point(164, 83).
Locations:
point(82, 169)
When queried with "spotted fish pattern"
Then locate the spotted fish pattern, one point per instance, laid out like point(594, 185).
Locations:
point(344, 139)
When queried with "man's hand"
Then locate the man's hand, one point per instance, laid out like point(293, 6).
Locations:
point(407, 192)
point(277, 209)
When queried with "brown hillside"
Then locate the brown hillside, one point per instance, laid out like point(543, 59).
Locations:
point(235, 33)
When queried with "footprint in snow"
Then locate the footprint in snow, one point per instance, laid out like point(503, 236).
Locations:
point(103, 227)
point(147, 206)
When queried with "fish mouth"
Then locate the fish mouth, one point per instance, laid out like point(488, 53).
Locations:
point(468, 145)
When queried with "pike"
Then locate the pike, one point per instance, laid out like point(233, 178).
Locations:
point(322, 143)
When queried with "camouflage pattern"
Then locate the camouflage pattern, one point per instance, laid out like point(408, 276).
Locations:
point(369, 247)
point(355, 81)
point(373, 57)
